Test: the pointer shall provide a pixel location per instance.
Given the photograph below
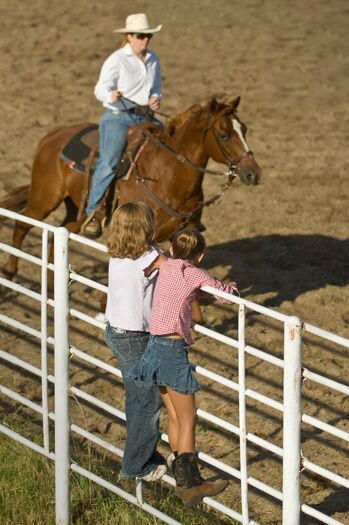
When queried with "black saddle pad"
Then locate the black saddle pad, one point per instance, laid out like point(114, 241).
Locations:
point(76, 152)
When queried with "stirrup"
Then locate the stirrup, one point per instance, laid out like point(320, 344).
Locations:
point(87, 220)
point(94, 231)
point(104, 223)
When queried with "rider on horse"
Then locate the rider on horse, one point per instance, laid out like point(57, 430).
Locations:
point(133, 72)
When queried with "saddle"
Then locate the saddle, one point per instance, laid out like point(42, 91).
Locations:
point(82, 150)
point(75, 153)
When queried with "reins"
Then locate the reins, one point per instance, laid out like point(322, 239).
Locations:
point(183, 217)
point(150, 112)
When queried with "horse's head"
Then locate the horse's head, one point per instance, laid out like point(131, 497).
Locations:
point(225, 140)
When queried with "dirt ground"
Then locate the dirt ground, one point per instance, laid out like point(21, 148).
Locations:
point(285, 241)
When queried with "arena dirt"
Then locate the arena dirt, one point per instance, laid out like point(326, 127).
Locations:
point(285, 241)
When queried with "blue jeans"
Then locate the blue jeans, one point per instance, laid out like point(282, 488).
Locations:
point(142, 405)
point(112, 139)
point(165, 362)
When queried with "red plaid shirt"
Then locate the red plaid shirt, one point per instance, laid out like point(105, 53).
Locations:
point(177, 285)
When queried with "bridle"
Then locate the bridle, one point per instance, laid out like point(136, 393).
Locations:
point(233, 171)
point(231, 163)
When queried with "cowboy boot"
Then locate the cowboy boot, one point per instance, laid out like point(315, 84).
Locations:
point(190, 486)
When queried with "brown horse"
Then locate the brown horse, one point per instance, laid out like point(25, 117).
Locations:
point(168, 175)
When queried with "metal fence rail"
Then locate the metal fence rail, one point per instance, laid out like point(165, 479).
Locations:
point(293, 374)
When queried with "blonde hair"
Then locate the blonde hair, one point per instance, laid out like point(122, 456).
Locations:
point(188, 245)
point(131, 230)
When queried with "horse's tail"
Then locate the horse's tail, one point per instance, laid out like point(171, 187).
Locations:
point(16, 200)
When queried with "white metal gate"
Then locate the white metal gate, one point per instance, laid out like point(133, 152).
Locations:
point(293, 461)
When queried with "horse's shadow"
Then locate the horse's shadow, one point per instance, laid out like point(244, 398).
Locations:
point(284, 265)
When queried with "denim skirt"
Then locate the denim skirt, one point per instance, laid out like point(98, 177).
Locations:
point(165, 363)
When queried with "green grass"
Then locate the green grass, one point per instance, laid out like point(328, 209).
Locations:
point(27, 491)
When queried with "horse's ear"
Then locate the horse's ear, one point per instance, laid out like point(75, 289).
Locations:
point(213, 104)
point(233, 104)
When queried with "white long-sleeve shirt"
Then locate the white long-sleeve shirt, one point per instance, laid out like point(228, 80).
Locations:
point(124, 71)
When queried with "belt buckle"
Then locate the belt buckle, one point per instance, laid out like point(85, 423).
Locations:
point(118, 330)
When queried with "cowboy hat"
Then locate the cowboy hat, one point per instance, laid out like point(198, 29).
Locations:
point(138, 23)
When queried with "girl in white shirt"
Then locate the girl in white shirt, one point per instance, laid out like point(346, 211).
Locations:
point(132, 274)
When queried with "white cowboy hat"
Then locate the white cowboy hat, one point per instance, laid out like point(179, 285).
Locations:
point(138, 23)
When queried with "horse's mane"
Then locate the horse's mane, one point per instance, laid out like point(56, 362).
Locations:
point(177, 120)
point(193, 112)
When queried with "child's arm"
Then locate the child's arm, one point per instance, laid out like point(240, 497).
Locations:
point(155, 265)
point(230, 288)
point(158, 261)
point(204, 279)
point(196, 312)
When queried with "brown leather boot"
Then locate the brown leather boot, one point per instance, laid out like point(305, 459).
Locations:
point(190, 486)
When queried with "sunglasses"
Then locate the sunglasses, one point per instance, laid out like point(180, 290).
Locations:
point(143, 36)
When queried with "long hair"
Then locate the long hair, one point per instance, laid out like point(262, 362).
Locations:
point(123, 41)
point(188, 245)
point(131, 230)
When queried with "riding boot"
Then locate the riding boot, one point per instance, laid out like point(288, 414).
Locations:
point(190, 486)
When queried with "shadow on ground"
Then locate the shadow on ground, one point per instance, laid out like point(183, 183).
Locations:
point(286, 265)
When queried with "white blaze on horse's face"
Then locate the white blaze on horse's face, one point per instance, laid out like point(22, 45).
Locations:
point(238, 129)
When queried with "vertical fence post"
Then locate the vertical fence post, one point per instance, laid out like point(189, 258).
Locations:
point(242, 417)
point(62, 456)
point(292, 422)
point(44, 383)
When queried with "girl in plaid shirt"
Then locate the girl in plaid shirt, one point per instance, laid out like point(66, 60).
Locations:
point(165, 361)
